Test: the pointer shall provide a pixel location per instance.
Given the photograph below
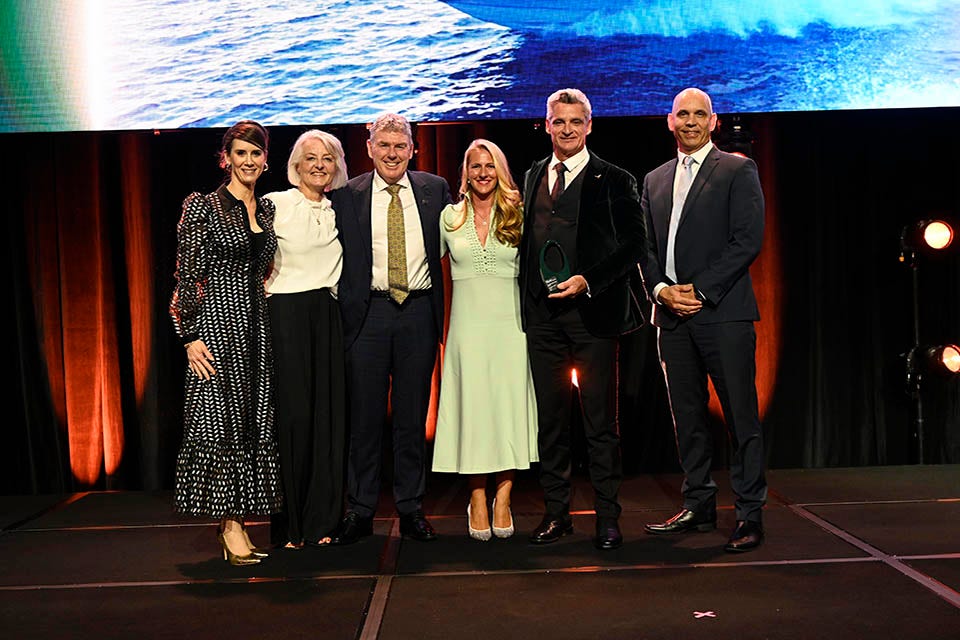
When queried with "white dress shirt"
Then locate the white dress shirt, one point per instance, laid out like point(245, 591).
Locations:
point(418, 272)
point(309, 255)
point(574, 165)
point(698, 157)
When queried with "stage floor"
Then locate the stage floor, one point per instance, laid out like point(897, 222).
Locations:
point(850, 553)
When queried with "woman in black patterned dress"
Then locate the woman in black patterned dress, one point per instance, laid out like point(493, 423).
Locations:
point(228, 464)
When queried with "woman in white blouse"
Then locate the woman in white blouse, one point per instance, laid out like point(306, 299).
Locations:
point(308, 344)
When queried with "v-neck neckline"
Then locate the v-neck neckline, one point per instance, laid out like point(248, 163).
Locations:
point(473, 224)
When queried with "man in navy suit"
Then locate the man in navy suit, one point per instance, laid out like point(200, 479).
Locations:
point(590, 209)
point(391, 300)
point(704, 210)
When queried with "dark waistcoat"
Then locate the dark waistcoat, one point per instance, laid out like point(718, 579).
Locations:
point(555, 221)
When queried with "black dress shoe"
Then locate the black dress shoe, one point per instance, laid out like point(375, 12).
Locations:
point(416, 526)
point(551, 529)
point(685, 521)
point(748, 535)
point(352, 528)
point(608, 534)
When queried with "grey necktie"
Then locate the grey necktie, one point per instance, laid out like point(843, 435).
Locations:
point(683, 186)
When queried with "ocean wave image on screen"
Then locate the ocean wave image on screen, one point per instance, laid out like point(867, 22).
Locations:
point(138, 64)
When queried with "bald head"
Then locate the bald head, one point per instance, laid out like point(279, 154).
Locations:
point(692, 120)
point(691, 92)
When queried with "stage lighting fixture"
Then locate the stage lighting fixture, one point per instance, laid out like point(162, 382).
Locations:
point(736, 138)
point(927, 236)
point(942, 360)
point(930, 237)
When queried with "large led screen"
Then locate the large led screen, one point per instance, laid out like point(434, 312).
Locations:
point(139, 64)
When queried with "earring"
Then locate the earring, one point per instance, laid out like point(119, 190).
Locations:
point(265, 167)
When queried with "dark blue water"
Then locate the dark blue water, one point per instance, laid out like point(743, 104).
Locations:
point(185, 63)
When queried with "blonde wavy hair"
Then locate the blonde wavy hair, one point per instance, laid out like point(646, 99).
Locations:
point(508, 205)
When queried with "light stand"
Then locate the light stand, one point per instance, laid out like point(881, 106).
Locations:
point(925, 234)
point(914, 374)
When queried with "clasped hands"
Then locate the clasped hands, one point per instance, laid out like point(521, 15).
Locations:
point(199, 360)
point(681, 299)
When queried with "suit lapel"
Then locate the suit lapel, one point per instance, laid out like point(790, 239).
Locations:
point(703, 175)
point(421, 193)
point(534, 175)
point(593, 175)
point(363, 199)
point(661, 204)
point(425, 197)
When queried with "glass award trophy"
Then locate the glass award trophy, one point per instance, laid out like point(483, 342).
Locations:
point(554, 266)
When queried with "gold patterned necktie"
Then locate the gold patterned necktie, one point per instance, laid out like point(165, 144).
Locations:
point(396, 247)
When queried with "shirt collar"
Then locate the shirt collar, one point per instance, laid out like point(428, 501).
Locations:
point(573, 162)
point(699, 155)
point(301, 197)
point(379, 184)
point(227, 199)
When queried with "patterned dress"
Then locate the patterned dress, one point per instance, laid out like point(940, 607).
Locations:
point(228, 464)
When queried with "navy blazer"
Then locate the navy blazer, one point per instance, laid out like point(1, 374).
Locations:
point(611, 238)
point(719, 236)
point(352, 206)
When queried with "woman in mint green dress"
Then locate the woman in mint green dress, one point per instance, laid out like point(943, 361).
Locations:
point(487, 416)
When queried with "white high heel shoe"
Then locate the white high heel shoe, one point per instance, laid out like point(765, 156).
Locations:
point(502, 532)
point(477, 534)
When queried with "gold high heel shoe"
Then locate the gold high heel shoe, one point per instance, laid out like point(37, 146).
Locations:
point(232, 558)
point(257, 552)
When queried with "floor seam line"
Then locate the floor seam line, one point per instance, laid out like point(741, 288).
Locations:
point(384, 582)
point(937, 587)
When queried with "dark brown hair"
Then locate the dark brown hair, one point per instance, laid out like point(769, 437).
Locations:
point(248, 131)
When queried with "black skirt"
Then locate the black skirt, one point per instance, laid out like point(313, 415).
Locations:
point(310, 397)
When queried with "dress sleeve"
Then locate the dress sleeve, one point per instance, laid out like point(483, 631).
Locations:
point(443, 238)
point(191, 271)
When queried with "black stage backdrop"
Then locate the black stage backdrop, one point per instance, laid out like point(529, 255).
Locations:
point(90, 233)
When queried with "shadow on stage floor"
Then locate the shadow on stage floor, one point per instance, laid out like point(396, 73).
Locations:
point(850, 553)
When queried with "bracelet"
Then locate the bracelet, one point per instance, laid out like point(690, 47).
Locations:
point(187, 345)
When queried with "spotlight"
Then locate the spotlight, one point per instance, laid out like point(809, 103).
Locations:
point(928, 236)
point(942, 360)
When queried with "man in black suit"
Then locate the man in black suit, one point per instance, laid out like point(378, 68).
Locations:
point(590, 209)
point(391, 300)
point(704, 211)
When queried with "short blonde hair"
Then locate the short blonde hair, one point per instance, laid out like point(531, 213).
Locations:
point(332, 144)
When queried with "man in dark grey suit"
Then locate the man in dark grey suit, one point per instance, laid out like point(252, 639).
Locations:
point(590, 209)
point(704, 210)
point(391, 300)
